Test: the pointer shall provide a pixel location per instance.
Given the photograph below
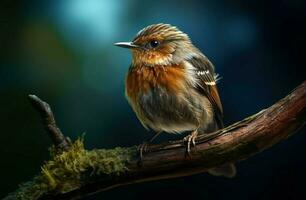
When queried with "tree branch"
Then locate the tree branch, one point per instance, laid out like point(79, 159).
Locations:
point(231, 144)
point(46, 114)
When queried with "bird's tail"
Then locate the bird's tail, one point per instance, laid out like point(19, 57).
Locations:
point(227, 170)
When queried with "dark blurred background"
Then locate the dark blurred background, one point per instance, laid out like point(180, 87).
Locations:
point(63, 52)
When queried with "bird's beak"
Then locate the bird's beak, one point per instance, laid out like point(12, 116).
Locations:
point(128, 45)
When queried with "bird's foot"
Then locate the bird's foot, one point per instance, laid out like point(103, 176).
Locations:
point(190, 139)
point(142, 148)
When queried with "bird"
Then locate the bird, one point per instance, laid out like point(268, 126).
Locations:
point(172, 86)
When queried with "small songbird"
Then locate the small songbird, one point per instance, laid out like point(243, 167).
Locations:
point(171, 86)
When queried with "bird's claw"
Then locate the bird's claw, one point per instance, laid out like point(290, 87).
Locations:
point(142, 148)
point(190, 139)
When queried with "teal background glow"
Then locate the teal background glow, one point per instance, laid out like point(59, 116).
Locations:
point(63, 52)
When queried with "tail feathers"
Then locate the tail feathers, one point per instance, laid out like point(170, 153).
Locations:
point(227, 170)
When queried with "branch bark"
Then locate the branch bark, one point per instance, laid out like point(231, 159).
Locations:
point(46, 114)
point(231, 144)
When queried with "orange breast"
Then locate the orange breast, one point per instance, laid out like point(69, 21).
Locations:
point(140, 79)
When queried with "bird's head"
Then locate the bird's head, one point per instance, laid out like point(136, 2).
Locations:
point(160, 44)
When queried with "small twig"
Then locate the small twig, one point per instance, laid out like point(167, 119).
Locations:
point(57, 137)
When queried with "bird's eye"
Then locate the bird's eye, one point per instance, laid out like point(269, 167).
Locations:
point(153, 44)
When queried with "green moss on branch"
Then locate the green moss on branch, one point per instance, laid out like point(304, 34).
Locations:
point(68, 170)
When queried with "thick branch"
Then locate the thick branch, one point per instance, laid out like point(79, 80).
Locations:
point(231, 144)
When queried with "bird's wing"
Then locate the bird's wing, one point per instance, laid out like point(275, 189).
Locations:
point(207, 84)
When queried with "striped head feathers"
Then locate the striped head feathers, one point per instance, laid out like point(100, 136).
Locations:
point(160, 44)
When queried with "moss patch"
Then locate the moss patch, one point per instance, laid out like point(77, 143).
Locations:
point(29, 191)
point(68, 170)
